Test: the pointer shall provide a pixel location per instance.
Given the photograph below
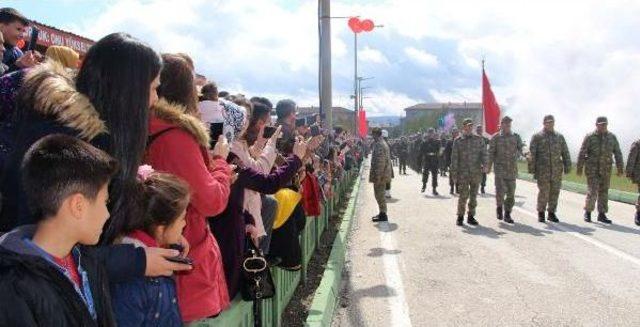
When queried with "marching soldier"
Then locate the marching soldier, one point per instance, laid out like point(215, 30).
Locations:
point(447, 157)
point(504, 150)
point(403, 152)
point(380, 173)
point(595, 157)
point(549, 158)
point(468, 160)
point(429, 152)
point(633, 172)
point(483, 183)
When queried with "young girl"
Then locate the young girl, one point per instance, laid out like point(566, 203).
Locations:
point(153, 301)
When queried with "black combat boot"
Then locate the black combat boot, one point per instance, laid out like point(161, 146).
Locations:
point(471, 220)
point(499, 213)
point(460, 220)
point(424, 186)
point(507, 217)
point(482, 190)
point(435, 192)
point(587, 216)
point(451, 189)
point(638, 218)
point(553, 218)
point(541, 216)
point(380, 217)
point(603, 218)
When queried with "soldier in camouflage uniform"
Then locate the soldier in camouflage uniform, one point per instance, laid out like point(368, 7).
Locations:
point(468, 160)
point(504, 150)
point(430, 152)
point(483, 183)
point(549, 158)
point(447, 158)
point(380, 173)
point(595, 157)
point(403, 151)
point(633, 172)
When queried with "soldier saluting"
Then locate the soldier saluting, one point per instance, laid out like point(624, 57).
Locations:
point(430, 151)
point(468, 159)
point(504, 150)
point(549, 158)
point(595, 157)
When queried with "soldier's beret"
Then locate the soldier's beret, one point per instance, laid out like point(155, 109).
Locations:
point(467, 121)
point(549, 118)
point(506, 119)
point(601, 120)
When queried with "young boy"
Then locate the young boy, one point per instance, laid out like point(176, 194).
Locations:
point(49, 273)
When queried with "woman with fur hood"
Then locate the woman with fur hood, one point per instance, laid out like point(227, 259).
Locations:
point(178, 144)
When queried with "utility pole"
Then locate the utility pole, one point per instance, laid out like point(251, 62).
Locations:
point(324, 20)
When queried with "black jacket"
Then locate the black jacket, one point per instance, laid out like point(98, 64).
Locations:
point(35, 293)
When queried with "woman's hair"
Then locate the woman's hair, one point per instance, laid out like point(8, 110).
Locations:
point(66, 56)
point(177, 83)
point(163, 198)
point(260, 112)
point(116, 76)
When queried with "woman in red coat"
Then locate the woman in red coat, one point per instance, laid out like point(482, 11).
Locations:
point(178, 144)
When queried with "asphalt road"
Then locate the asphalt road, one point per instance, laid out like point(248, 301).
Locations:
point(420, 269)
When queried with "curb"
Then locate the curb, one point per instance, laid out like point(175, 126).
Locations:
point(614, 195)
point(325, 300)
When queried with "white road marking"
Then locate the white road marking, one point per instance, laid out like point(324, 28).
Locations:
point(397, 302)
point(591, 240)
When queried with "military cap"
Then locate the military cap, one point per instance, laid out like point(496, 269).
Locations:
point(506, 119)
point(549, 118)
point(601, 120)
point(376, 131)
point(467, 121)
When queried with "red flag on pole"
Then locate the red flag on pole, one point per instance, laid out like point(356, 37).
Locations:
point(362, 123)
point(490, 106)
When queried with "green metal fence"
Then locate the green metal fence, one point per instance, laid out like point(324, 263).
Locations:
point(240, 314)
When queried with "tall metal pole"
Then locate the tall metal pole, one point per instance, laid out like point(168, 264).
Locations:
point(326, 104)
point(355, 81)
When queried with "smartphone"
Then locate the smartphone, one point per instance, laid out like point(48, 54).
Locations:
point(183, 260)
point(215, 130)
point(300, 122)
point(268, 131)
point(315, 130)
point(33, 39)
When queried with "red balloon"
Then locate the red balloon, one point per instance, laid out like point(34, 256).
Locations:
point(354, 25)
point(367, 25)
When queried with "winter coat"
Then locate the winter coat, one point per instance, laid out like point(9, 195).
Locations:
point(311, 195)
point(145, 301)
point(381, 170)
point(36, 291)
point(229, 227)
point(633, 163)
point(11, 55)
point(53, 113)
point(181, 149)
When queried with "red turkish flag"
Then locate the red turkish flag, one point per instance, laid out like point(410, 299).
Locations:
point(490, 106)
point(362, 123)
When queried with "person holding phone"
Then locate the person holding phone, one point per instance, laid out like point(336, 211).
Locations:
point(12, 26)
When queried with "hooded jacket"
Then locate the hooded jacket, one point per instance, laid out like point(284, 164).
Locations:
point(179, 146)
point(58, 108)
point(35, 292)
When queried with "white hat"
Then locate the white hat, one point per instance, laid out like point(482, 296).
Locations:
point(385, 133)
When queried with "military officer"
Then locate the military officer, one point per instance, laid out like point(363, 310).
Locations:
point(430, 151)
point(549, 158)
point(483, 183)
point(380, 173)
point(595, 157)
point(504, 150)
point(468, 161)
point(633, 173)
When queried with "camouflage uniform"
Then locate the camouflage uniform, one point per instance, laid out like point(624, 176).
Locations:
point(380, 173)
point(429, 153)
point(633, 168)
point(504, 150)
point(596, 159)
point(483, 182)
point(549, 159)
point(468, 157)
point(447, 158)
point(403, 152)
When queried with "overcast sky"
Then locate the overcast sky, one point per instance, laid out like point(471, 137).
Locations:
point(574, 59)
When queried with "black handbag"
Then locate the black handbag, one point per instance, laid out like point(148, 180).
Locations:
point(257, 281)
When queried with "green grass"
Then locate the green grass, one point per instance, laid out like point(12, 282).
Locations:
point(617, 183)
